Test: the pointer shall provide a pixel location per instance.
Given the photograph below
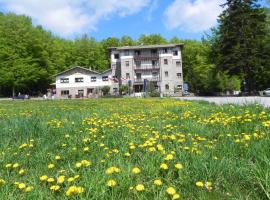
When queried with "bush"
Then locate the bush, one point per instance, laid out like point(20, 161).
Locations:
point(105, 90)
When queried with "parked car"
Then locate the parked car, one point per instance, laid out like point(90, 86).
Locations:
point(22, 96)
point(266, 92)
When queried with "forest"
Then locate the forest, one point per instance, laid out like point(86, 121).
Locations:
point(235, 55)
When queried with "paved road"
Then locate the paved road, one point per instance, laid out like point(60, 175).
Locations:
point(265, 101)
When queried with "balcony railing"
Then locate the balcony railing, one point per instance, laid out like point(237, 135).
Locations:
point(146, 68)
point(146, 57)
point(140, 80)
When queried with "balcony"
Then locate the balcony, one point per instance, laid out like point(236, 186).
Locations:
point(140, 80)
point(147, 68)
point(146, 57)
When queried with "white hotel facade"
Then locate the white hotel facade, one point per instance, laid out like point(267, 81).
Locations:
point(135, 66)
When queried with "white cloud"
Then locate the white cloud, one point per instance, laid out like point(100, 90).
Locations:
point(68, 17)
point(193, 15)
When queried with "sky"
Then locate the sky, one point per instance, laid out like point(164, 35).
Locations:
point(186, 19)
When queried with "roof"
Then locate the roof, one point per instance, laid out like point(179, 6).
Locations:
point(146, 46)
point(83, 68)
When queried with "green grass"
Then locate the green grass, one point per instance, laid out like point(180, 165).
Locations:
point(226, 145)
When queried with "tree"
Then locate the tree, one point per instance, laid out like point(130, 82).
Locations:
point(152, 39)
point(240, 41)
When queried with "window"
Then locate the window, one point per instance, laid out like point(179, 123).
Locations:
point(179, 87)
point(113, 66)
point(154, 74)
point(175, 53)
point(105, 78)
point(165, 50)
point(179, 75)
point(126, 52)
point(64, 92)
point(139, 76)
point(64, 80)
point(165, 61)
point(167, 87)
point(116, 56)
point(154, 63)
point(80, 93)
point(137, 53)
point(153, 51)
point(115, 90)
point(93, 79)
point(178, 63)
point(166, 74)
point(138, 63)
point(127, 76)
point(79, 80)
point(127, 63)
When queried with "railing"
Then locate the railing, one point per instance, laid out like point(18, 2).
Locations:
point(140, 80)
point(146, 68)
point(146, 57)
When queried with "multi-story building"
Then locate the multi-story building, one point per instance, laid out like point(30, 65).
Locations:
point(154, 65)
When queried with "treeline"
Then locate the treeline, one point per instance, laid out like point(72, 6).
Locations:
point(235, 56)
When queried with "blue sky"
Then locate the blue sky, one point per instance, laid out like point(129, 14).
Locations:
point(187, 19)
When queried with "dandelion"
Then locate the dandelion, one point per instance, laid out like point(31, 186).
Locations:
point(50, 166)
point(178, 166)
point(199, 184)
point(74, 190)
point(136, 170)
point(2, 182)
point(57, 157)
point(16, 165)
point(86, 149)
point(50, 180)
point(22, 171)
point(164, 166)
point(127, 154)
point(78, 165)
point(8, 165)
point(43, 178)
point(176, 196)
point(21, 186)
point(85, 163)
point(61, 179)
point(171, 191)
point(28, 189)
point(71, 179)
point(158, 182)
point(111, 183)
point(55, 187)
point(169, 157)
point(139, 187)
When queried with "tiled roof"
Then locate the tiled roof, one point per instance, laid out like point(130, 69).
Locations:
point(146, 46)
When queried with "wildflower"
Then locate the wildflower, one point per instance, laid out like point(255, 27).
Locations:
point(86, 149)
point(112, 170)
point(78, 165)
point(71, 179)
point(28, 189)
point(21, 186)
point(85, 163)
point(176, 196)
point(16, 165)
point(50, 166)
point(136, 170)
point(127, 154)
point(171, 191)
point(2, 182)
point(164, 166)
point(55, 187)
point(22, 171)
point(178, 166)
point(50, 180)
point(139, 187)
point(43, 178)
point(8, 165)
point(157, 182)
point(61, 179)
point(111, 183)
point(73, 190)
point(57, 157)
point(199, 184)
point(208, 185)
point(169, 157)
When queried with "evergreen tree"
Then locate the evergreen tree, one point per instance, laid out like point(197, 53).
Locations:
point(241, 35)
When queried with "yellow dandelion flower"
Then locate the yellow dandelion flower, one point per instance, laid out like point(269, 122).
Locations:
point(71, 179)
point(55, 187)
point(16, 165)
point(43, 178)
point(21, 186)
point(111, 183)
point(157, 182)
point(176, 196)
point(57, 157)
point(127, 154)
point(61, 179)
point(28, 189)
point(164, 166)
point(171, 191)
point(8, 165)
point(139, 187)
point(50, 180)
point(199, 184)
point(178, 166)
point(85, 163)
point(50, 166)
point(2, 182)
point(169, 157)
point(78, 165)
point(74, 190)
point(136, 170)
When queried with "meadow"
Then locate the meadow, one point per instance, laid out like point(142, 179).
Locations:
point(133, 149)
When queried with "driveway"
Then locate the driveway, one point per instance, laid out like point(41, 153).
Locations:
point(265, 101)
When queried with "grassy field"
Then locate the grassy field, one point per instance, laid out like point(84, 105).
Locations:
point(133, 149)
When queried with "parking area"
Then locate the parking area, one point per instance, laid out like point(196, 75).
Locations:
point(265, 101)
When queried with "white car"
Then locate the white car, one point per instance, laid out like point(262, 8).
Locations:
point(266, 92)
